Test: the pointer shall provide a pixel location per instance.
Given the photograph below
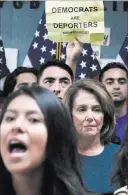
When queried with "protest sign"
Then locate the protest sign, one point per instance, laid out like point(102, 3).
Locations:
point(67, 20)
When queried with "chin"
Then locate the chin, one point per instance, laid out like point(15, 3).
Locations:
point(19, 169)
point(117, 100)
point(89, 134)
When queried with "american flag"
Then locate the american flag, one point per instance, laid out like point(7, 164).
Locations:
point(88, 64)
point(4, 71)
point(123, 53)
point(42, 49)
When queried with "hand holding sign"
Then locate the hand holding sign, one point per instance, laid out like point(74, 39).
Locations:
point(73, 51)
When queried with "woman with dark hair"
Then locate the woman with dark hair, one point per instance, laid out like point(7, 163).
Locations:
point(121, 173)
point(38, 145)
point(93, 115)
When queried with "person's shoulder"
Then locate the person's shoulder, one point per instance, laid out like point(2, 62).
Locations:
point(113, 147)
point(122, 118)
point(121, 191)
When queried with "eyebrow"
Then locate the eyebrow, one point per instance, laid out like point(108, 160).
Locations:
point(122, 78)
point(64, 78)
point(97, 104)
point(116, 78)
point(52, 78)
point(109, 79)
point(22, 84)
point(26, 84)
point(28, 111)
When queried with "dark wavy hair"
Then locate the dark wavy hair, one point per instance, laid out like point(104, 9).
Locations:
point(61, 166)
point(121, 173)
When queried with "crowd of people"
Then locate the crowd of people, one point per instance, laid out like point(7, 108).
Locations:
point(64, 136)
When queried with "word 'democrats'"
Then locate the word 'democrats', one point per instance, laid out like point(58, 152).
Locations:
point(73, 9)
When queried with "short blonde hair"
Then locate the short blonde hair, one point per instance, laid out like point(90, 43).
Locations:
point(98, 89)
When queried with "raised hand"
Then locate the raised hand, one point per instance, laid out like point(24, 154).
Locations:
point(73, 51)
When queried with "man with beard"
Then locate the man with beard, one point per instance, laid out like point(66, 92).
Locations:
point(115, 78)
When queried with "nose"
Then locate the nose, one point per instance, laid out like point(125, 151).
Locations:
point(17, 130)
point(57, 88)
point(89, 116)
point(18, 126)
point(116, 85)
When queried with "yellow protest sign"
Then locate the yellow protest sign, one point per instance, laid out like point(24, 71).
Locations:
point(67, 20)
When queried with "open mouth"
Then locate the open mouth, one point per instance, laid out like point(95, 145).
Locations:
point(16, 147)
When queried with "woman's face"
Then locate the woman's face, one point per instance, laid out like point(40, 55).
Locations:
point(23, 135)
point(87, 113)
